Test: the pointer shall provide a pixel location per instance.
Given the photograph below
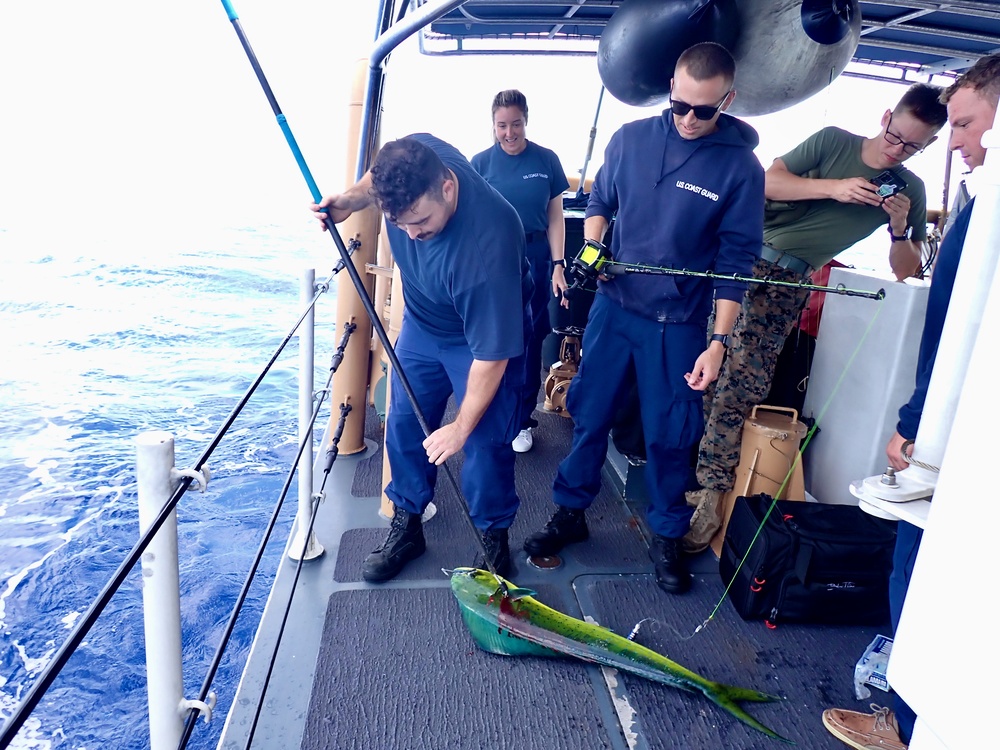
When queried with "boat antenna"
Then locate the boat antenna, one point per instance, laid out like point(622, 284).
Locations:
point(349, 265)
point(590, 144)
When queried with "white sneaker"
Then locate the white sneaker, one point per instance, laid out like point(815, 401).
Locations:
point(523, 442)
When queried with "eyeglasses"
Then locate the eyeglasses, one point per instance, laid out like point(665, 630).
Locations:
point(895, 140)
point(701, 111)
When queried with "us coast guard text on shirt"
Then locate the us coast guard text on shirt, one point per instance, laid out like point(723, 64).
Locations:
point(697, 189)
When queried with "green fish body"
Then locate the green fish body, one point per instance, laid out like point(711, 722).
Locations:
point(504, 619)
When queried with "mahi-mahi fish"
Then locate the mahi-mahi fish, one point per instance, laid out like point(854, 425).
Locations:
point(505, 619)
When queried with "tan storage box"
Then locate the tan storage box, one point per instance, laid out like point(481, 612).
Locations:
point(768, 454)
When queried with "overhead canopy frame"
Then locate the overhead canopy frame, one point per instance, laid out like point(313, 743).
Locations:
point(900, 39)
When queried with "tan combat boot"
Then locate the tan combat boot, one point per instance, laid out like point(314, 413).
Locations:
point(706, 520)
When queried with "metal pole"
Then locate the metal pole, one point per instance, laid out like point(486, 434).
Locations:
point(590, 145)
point(386, 42)
point(160, 591)
point(313, 549)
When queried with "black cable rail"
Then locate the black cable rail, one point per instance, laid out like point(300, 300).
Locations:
point(345, 409)
point(97, 607)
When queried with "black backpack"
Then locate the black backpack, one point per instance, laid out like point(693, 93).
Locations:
point(811, 562)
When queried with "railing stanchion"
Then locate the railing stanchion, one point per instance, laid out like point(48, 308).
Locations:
point(160, 590)
point(313, 549)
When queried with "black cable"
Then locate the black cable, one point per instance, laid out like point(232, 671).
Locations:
point(352, 271)
point(86, 622)
point(213, 669)
point(345, 409)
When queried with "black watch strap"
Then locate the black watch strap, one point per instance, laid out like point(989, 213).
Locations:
point(559, 262)
point(899, 237)
point(722, 338)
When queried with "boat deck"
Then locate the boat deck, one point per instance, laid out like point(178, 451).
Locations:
point(392, 665)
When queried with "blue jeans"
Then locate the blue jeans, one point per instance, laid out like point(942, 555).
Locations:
point(671, 412)
point(435, 371)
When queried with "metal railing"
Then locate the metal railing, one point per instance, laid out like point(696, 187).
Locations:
point(160, 487)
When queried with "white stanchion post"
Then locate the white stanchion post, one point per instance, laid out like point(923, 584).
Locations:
point(160, 591)
point(313, 549)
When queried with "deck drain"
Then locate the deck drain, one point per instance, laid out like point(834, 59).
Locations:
point(546, 562)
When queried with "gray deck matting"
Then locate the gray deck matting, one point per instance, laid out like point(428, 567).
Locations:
point(614, 542)
point(367, 480)
point(810, 666)
point(413, 677)
point(417, 680)
point(418, 670)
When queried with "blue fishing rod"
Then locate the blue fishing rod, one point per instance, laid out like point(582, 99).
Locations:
point(346, 260)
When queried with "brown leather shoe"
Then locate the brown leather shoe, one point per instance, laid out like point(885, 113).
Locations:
point(875, 731)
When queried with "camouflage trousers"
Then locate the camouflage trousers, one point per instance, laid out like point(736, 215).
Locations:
point(767, 316)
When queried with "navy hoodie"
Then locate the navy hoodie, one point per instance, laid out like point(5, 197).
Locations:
point(686, 204)
point(938, 300)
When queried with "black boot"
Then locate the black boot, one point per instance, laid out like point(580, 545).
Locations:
point(671, 567)
point(567, 525)
point(498, 551)
point(404, 543)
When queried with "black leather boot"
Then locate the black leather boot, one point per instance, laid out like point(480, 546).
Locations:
point(671, 566)
point(498, 551)
point(567, 525)
point(404, 543)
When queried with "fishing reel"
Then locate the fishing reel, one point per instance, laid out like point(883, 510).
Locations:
point(561, 373)
point(588, 264)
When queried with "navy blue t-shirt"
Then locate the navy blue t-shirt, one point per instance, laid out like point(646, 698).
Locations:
point(528, 180)
point(463, 285)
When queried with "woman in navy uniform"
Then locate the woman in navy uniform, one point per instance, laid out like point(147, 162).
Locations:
point(532, 180)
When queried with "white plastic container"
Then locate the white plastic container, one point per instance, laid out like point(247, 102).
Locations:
point(870, 669)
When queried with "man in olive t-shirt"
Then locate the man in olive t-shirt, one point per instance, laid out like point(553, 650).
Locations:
point(820, 201)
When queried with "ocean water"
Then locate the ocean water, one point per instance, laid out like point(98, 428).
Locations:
point(98, 345)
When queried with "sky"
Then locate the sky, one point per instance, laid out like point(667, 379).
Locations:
point(127, 119)
point(125, 115)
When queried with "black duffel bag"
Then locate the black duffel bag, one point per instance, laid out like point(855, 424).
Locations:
point(811, 562)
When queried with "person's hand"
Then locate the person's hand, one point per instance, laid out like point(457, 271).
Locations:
point(855, 190)
point(894, 450)
point(444, 443)
point(706, 368)
point(898, 208)
point(559, 285)
point(338, 208)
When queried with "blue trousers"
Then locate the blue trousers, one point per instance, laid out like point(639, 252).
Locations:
point(538, 256)
point(908, 539)
point(435, 371)
point(671, 412)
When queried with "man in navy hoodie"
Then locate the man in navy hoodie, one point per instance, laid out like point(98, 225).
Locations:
point(687, 192)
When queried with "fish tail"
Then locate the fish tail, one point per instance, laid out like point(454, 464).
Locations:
point(729, 697)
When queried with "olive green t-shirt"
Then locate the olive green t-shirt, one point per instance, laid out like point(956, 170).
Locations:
point(817, 230)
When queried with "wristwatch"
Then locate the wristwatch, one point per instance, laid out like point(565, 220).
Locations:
point(899, 237)
point(559, 262)
point(722, 338)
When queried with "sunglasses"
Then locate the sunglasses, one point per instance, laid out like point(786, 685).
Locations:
point(909, 148)
point(701, 111)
